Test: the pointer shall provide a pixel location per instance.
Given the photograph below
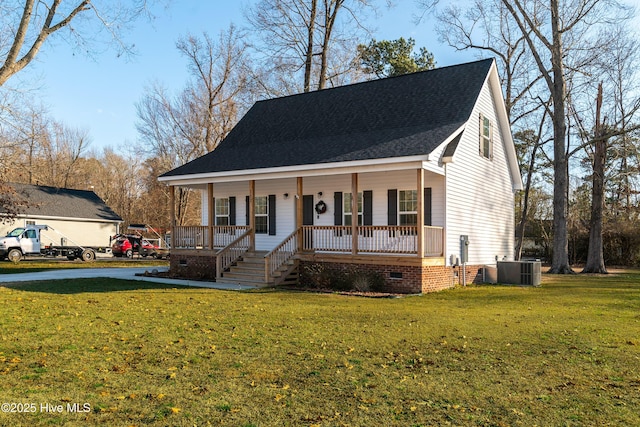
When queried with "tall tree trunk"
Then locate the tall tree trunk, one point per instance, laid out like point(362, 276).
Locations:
point(560, 260)
point(595, 255)
point(309, 54)
point(329, 20)
point(525, 205)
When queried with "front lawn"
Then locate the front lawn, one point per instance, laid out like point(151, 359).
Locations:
point(41, 264)
point(139, 354)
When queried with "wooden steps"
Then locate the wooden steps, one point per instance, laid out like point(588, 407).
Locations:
point(250, 271)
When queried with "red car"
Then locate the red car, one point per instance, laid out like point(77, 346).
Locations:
point(128, 244)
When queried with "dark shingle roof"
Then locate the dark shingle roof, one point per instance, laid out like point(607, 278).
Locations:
point(394, 117)
point(64, 202)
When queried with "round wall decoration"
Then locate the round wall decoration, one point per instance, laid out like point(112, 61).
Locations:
point(321, 207)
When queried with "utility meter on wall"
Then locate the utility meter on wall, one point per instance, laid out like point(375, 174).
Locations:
point(464, 249)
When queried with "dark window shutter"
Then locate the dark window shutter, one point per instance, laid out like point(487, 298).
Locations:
point(232, 210)
point(427, 206)
point(272, 214)
point(337, 208)
point(392, 207)
point(247, 211)
point(367, 207)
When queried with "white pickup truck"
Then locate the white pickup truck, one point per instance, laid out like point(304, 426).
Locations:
point(26, 241)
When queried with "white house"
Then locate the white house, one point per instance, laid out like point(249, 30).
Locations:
point(80, 215)
point(430, 156)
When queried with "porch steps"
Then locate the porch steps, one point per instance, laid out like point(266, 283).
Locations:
point(250, 271)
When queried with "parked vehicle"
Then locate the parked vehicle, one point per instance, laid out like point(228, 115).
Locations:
point(126, 245)
point(27, 241)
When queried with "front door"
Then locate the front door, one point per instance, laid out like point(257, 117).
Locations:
point(307, 210)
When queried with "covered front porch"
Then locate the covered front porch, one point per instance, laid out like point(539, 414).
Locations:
point(222, 250)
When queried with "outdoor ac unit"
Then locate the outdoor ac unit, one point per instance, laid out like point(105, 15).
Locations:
point(519, 272)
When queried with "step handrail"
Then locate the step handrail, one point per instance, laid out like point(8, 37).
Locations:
point(232, 252)
point(280, 255)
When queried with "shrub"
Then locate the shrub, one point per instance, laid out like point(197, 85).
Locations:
point(321, 276)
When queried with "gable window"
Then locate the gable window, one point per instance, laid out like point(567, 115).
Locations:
point(486, 137)
point(222, 211)
point(262, 215)
point(348, 215)
point(407, 207)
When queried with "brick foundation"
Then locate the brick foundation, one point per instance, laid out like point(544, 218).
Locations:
point(190, 266)
point(403, 279)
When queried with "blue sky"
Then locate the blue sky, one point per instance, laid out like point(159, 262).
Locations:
point(100, 94)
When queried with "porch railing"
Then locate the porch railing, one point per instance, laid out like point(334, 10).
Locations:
point(232, 252)
point(280, 255)
point(197, 236)
point(433, 241)
point(382, 239)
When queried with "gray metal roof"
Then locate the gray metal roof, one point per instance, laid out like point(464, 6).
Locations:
point(64, 203)
point(395, 117)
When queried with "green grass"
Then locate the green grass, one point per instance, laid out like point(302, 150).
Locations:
point(566, 353)
point(36, 264)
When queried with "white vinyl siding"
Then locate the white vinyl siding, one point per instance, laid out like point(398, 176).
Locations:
point(480, 199)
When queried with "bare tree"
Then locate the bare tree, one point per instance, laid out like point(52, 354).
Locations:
point(546, 27)
point(25, 26)
point(179, 129)
point(613, 122)
point(305, 36)
point(487, 27)
point(61, 151)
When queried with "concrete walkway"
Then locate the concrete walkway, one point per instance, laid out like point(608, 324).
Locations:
point(123, 273)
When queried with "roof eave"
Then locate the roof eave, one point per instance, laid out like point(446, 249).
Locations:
point(334, 168)
point(505, 128)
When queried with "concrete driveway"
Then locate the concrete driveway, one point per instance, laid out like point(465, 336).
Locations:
point(123, 273)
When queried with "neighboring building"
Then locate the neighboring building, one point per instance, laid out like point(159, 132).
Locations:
point(429, 155)
point(80, 215)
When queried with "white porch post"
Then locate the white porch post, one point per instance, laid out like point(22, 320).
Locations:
point(354, 213)
point(420, 219)
point(211, 214)
point(252, 215)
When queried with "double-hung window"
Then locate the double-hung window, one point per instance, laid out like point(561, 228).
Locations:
point(348, 215)
point(486, 137)
point(408, 207)
point(222, 211)
point(262, 214)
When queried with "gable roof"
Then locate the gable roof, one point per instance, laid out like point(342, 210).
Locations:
point(408, 115)
point(64, 203)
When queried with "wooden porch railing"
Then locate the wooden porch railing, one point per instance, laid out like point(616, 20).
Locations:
point(232, 252)
point(279, 256)
point(433, 241)
point(379, 239)
point(197, 236)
